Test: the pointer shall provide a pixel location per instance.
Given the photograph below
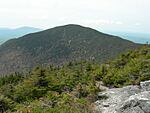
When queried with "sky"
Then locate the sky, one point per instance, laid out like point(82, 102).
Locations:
point(105, 15)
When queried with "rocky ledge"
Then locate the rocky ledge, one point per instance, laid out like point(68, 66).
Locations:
point(130, 99)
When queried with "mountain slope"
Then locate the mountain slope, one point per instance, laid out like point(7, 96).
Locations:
point(59, 45)
point(128, 68)
point(6, 34)
point(78, 87)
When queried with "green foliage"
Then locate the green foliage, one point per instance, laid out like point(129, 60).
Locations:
point(7, 104)
point(11, 79)
point(71, 88)
point(67, 89)
point(129, 68)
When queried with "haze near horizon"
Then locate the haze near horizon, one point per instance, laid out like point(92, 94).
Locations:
point(112, 15)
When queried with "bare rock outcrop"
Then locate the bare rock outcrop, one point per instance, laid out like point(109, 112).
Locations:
point(130, 99)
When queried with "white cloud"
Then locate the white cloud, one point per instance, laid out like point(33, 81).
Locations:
point(138, 24)
point(102, 22)
point(46, 13)
point(63, 18)
point(97, 21)
point(119, 22)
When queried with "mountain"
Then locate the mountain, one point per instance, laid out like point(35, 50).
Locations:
point(6, 33)
point(59, 45)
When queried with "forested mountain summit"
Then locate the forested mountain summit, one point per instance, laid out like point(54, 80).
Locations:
point(59, 45)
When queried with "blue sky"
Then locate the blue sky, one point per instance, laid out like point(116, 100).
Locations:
point(105, 15)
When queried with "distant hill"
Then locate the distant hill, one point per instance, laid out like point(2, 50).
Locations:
point(142, 38)
point(59, 45)
point(6, 33)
